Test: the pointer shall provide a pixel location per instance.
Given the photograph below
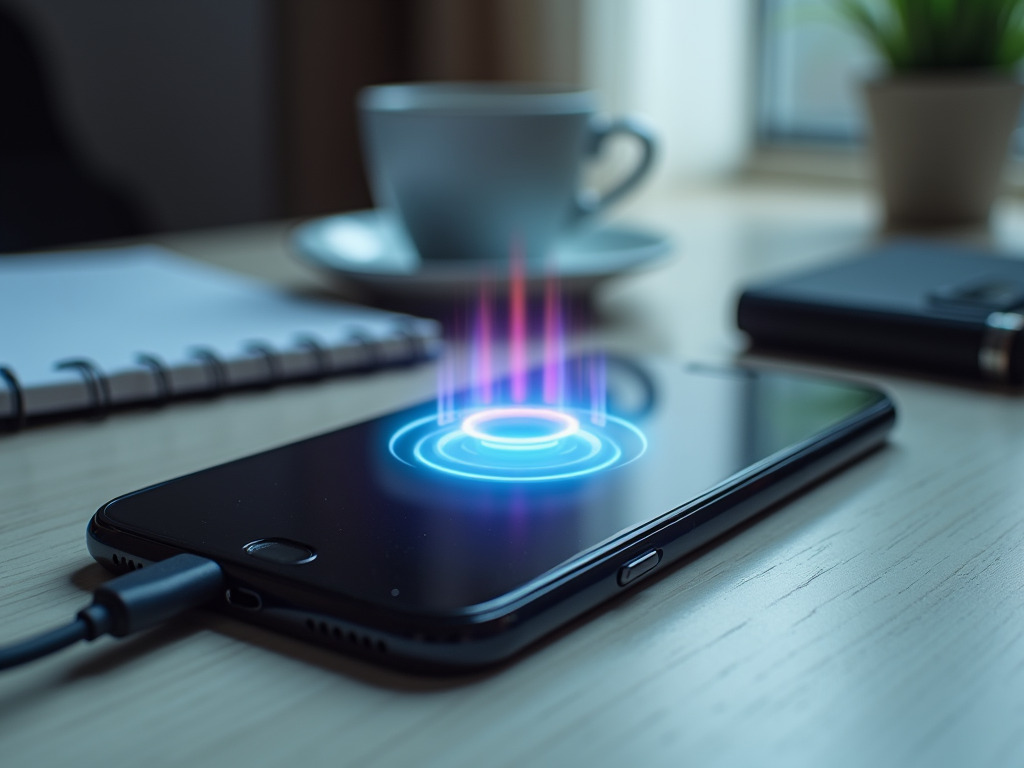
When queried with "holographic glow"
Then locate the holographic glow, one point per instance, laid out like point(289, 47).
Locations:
point(520, 428)
point(598, 391)
point(554, 344)
point(517, 324)
point(451, 450)
point(512, 424)
point(446, 391)
point(483, 376)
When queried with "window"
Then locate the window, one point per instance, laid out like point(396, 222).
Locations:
point(810, 69)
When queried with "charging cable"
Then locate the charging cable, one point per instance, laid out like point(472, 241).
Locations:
point(130, 603)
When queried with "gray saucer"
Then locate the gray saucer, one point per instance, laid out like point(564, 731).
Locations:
point(367, 249)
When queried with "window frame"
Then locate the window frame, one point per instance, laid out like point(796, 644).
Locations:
point(816, 157)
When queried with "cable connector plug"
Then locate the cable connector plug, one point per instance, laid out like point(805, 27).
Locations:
point(130, 603)
point(150, 596)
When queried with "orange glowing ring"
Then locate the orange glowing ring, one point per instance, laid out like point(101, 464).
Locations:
point(566, 425)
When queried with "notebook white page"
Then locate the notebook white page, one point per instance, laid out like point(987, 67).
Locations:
point(108, 307)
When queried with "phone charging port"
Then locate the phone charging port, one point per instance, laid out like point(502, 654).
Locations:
point(243, 598)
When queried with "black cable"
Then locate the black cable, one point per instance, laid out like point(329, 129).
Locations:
point(128, 604)
point(43, 645)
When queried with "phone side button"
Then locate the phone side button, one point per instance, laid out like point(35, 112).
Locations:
point(638, 566)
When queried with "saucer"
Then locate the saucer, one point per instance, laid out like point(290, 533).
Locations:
point(368, 249)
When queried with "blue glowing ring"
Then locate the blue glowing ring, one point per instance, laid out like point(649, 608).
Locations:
point(440, 447)
point(529, 447)
point(569, 425)
point(521, 478)
point(449, 449)
point(456, 435)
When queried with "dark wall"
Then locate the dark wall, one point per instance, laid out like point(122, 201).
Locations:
point(166, 99)
point(327, 51)
point(205, 113)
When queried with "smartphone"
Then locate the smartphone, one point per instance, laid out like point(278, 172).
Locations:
point(452, 535)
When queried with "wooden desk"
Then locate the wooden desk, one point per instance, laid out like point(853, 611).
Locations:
point(876, 620)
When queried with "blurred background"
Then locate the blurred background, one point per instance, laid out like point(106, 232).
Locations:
point(179, 114)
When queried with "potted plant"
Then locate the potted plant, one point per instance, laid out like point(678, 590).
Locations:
point(942, 117)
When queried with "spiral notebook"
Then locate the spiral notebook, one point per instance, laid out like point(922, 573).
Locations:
point(94, 330)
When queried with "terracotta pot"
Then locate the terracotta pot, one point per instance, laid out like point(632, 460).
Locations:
point(941, 144)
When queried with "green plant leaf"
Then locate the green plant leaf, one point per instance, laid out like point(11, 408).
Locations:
point(914, 35)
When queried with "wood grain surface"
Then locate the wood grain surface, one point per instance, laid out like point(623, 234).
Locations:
point(877, 619)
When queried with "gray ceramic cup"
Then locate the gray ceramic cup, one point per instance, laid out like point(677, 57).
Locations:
point(473, 171)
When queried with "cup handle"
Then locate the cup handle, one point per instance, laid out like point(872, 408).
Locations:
point(601, 128)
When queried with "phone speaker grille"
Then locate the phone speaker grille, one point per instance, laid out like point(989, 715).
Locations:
point(346, 637)
point(125, 564)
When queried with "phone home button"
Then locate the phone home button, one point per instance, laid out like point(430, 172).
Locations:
point(280, 551)
point(638, 566)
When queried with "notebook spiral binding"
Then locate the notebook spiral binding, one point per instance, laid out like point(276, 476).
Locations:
point(96, 383)
point(319, 352)
point(274, 369)
point(417, 345)
point(16, 420)
point(374, 358)
point(216, 367)
point(161, 376)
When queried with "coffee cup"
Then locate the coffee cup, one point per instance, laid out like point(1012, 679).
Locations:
point(473, 172)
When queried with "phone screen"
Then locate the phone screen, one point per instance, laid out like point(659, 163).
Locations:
point(445, 506)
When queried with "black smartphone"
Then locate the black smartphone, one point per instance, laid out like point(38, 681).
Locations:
point(451, 536)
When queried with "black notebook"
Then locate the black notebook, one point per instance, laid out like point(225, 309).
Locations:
point(93, 330)
point(932, 306)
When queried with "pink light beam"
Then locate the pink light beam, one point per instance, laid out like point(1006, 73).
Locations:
point(482, 347)
point(553, 343)
point(517, 322)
